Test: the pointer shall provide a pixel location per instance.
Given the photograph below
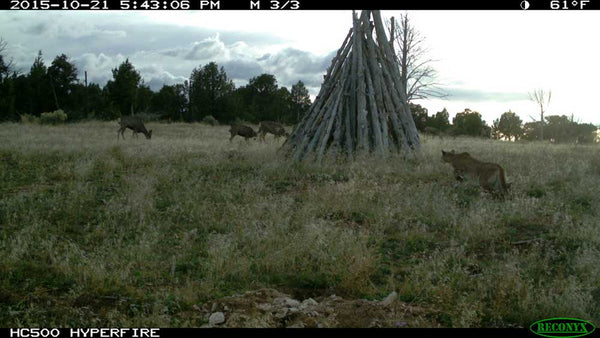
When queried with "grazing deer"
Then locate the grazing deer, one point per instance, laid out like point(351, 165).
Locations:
point(134, 123)
point(273, 128)
point(242, 130)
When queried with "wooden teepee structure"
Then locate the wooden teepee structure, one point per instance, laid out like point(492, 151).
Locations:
point(361, 107)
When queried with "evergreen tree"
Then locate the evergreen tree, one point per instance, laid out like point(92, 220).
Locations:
point(171, 102)
point(510, 125)
point(209, 91)
point(420, 116)
point(8, 111)
point(62, 76)
point(470, 123)
point(122, 90)
point(300, 100)
point(143, 99)
point(38, 92)
point(264, 98)
point(440, 121)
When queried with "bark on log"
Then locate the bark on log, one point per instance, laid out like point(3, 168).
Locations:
point(362, 130)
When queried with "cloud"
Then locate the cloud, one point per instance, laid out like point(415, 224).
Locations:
point(291, 65)
point(164, 79)
point(477, 95)
point(242, 61)
point(162, 53)
point(98, 66)
point(155, 77)
point(243, 69)
point(50, 28)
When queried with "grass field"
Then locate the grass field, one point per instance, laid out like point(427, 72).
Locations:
point(132, 233)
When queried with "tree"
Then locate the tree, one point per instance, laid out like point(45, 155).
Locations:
point(496, 134)
point(62, 76)
point(282, 107)
point(87, 102)
point(171, 102)
point(420, 116)
point(440, 121)
point(240, 102)
point(417, 76)
point(265, 99)
point(263, 84)
point(122, 89)
point(542, 98)
point(586, 133)
point(470, 123)
point(143, 98)
point(5, 66)
point(486, 131)
point(531, 131)
point(210, 88)
point(300, 100)
point(7, 87)
point(560, 129)
point(510, 125)
point(38, 89)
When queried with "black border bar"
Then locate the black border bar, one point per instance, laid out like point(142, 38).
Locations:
point(275, 5)
point(268, 333)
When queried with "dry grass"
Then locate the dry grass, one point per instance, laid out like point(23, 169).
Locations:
point(100, 232)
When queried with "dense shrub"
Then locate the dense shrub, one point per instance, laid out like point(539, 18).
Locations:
point(210, 120)
point(55, 117)
point(26, 118)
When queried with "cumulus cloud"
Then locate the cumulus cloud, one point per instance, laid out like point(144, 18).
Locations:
point(98, 66)
point(157, 77)
point(162, 53)
point(292, 65)
point(243, 69)
point(242, 61)
point(208, 49)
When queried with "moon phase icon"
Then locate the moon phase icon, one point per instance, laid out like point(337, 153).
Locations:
point(524, 4)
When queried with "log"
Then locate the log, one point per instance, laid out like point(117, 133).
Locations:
point(390, 61)
point(375, 73)
point(328, 115)
point(323, 92)
point(334, 112)
point(374, 113)
point(316, 119)
point(349, 136)
point(362, 131)
point(361, 106)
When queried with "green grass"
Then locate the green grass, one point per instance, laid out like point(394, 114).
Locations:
point(136, 232)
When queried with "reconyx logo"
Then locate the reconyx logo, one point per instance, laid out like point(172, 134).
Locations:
point(562, 327)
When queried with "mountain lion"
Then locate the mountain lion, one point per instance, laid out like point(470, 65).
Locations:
point(491, 175)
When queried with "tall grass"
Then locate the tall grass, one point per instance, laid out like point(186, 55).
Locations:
point(99, 231)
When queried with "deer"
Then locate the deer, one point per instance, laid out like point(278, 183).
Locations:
point(271, 127)
point(242, 130)
point(134, 123)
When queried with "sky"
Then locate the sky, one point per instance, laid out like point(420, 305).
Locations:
point(487, 61)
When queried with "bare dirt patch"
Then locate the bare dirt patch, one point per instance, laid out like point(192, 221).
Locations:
point(269, 308)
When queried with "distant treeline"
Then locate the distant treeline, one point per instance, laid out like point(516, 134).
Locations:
point(558, 129)
point(208, 92)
